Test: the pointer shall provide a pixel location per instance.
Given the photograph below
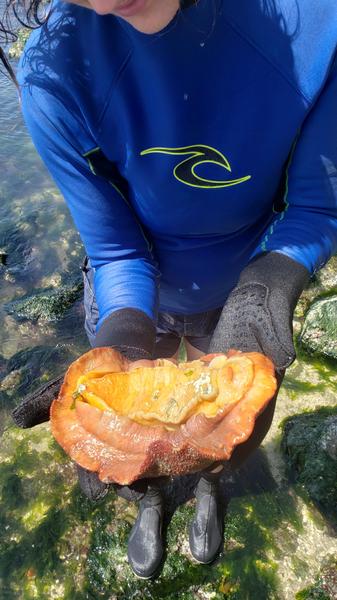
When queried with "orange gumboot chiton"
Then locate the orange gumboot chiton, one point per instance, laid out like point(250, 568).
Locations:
point(129, 420)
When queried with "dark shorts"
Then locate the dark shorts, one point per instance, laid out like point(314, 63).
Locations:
point(197, 329)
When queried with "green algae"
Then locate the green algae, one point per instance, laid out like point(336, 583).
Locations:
point(247, 567)
point(322, 283)
point(311, 460)
point(108, 573)
point(241, 572)
point(41, 556)
point(325, 366)
point(251, 549)
point(312, 593)
point(55, 544)
point(295, 386)
point(319, 332)
point(47, 305)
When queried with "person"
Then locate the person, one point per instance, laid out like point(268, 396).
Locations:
point(195, 145)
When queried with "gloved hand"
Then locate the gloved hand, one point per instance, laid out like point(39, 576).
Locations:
point(258, 313)
point(128, 330)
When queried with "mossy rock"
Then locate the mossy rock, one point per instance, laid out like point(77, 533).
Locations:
point(319, 333)
point(46, 306)
point(325, 586)
point(309, 444)
point(322, 282)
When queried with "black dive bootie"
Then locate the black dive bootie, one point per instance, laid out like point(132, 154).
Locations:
point(206, 530)
point(145, 546)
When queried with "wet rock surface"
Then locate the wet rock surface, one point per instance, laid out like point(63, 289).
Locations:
point(310, 445)
point(323, 282)
point(15, 248)
point(3, 366)
point(325, 586)
point(31, 368)
point(319, 333)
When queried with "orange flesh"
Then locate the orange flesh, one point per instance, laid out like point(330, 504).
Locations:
point(169, 394)
point(125, 446)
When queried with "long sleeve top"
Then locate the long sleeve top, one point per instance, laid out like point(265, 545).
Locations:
point(182, 154)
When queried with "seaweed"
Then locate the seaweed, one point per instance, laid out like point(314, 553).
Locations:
point(46, 305)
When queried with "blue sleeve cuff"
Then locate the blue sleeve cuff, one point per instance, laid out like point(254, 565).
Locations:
point(127, 284)
point(310, 243)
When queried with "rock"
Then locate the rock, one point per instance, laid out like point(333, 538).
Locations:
point(325, 279)
point(309, 444)
point(3, 366)
point(319, 333)
point(329, 440)
point(47, 305)
point(15, 246)
point(8, 383)
point(325, 587)
point(52, 281)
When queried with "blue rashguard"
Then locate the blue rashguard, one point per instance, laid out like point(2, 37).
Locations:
point(184, 153)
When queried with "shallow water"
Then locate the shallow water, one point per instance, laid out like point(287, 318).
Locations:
point(54, 545)
point(38, 243)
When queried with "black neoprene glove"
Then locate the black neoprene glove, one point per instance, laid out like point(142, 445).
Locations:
point(128, 330)
point(258, 313)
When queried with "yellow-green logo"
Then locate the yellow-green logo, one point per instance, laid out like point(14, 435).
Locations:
point(198, 155)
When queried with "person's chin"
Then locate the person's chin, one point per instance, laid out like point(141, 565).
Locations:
point(143, 26)
point(149, 16)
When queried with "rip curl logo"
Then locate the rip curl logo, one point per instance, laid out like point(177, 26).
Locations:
point(185, 171)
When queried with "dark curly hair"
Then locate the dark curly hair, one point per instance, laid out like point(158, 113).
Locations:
point(24, 13)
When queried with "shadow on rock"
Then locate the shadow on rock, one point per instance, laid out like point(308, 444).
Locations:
point(310, 446)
